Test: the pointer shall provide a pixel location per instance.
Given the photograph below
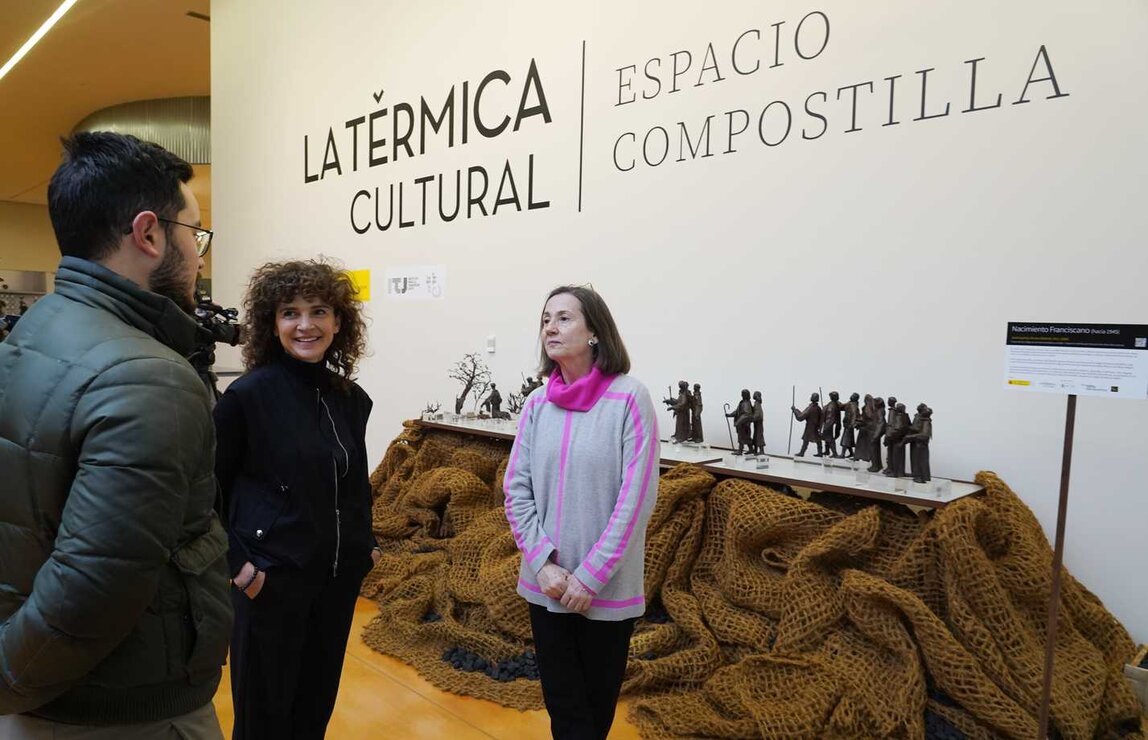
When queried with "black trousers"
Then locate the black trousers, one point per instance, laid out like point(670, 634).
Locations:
point(581, 663)
point(287, 653)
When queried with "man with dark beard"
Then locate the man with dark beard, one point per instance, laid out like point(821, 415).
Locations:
point(114, 607)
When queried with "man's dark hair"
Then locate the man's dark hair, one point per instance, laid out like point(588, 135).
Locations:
point(104, 181)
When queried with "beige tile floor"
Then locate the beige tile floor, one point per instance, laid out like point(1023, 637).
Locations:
point(382, 697)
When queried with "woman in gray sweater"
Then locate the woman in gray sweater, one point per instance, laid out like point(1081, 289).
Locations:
point(580, 485)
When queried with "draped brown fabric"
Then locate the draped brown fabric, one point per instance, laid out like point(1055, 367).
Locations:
point(768, 615)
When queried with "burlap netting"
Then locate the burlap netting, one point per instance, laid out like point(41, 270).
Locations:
point(768, 616)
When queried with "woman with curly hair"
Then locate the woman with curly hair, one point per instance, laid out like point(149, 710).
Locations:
point(292, 470)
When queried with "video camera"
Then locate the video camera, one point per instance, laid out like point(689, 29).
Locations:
point(223, 323)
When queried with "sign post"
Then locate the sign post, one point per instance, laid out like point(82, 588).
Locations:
point(1090, 359)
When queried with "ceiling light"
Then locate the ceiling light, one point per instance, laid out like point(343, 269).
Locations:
point(47, 26)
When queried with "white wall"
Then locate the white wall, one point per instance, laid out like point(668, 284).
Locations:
point(884, 260)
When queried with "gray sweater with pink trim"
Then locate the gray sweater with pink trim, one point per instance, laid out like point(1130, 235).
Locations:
point(580, 486)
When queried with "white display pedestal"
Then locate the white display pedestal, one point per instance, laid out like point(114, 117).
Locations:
point(818, 474)
point(497, 428)
point(674, 454)
point(839, 477)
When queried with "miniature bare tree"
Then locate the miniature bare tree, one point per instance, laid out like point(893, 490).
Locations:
point(431, 408)
point(514, 402)
point(479, 392)
point(474, 376)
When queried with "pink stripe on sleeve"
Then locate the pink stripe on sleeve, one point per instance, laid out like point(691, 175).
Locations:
point(602, 573)
point(633, 520)
point(515, 528)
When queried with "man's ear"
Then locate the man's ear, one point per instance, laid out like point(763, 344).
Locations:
point(146, 228)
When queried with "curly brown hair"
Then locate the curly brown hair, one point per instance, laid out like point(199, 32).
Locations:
point(276, 283)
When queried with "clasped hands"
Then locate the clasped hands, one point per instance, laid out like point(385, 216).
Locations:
point(559, 583)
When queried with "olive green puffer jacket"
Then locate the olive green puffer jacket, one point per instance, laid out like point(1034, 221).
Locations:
point(114, 604)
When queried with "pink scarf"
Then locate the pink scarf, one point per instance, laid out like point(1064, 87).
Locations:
point(582, 394)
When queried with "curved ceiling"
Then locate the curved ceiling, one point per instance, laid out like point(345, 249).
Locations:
point(101, 53)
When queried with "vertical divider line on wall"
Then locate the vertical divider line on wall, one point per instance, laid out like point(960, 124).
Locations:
point(581, 125)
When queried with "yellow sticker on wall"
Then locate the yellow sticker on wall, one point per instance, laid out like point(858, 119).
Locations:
point(362, 281)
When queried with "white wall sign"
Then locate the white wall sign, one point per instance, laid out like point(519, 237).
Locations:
point(1086, 359)
point(418, 283)
point(830, 193)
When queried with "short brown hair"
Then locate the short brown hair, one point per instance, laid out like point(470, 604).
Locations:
point(610, 354)
point(276, 283)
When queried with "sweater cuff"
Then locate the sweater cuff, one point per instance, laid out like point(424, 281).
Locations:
point(592, 583)
point(540, 556)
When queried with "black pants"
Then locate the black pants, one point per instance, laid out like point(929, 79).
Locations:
point(287, 653)
point(581, 663)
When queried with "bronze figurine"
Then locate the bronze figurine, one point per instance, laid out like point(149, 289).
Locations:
point(876, 431)
point(864, 424)
point(682, 408)
point(895, 433)
point(831, 423)
point(852, 415)
point(812, 418)
point(529, 384)
point(493, 403)
point(918, 438)
point(758, 447)
point(742, 418)
point(696, 415)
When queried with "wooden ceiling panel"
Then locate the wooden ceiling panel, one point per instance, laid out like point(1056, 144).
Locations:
point(103, 52)
point(20, 21)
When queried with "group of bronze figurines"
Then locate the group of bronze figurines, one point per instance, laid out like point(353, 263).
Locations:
point(864, 428)
point(530, 383)
point(687, 408)
point(493, 402)
point(474, 377)
point(749, 421)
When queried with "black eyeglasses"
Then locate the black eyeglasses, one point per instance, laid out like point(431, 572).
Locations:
point(202, 235)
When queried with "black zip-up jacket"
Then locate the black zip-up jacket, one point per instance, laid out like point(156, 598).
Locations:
point(292, 469)
point(114, 602)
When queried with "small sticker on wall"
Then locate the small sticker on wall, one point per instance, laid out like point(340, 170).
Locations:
point(362, 282)
point(418, 283)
